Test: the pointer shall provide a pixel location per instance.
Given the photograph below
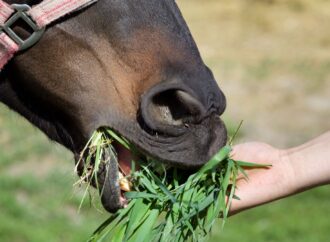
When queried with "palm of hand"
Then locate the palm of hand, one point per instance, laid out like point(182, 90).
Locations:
point(264, 184)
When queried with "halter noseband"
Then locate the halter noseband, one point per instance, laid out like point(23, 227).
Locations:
point(37, 17)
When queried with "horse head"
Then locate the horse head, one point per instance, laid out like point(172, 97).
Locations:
point(129, 65)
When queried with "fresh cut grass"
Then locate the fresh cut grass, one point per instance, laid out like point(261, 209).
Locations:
point(163, 205)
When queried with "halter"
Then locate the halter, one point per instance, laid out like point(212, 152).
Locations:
point(37, 17)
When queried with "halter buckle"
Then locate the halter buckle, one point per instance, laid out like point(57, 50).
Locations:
point(21, 13)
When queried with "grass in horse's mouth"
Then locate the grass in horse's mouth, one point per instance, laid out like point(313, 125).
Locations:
point(93, 157)
point(159, 204)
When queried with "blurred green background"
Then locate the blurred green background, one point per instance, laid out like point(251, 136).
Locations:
point(272, 60)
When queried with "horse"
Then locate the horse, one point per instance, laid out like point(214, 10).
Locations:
point(132, 66)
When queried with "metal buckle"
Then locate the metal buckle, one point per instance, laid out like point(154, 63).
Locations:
point(20, 13)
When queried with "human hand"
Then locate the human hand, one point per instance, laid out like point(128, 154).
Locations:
point(263, 184)
point(292, 170)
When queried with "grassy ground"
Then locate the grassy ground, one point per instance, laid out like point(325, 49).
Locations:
point(273, 56)
point(37, 201)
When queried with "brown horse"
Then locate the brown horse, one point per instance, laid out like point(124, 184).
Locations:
point(129, 65)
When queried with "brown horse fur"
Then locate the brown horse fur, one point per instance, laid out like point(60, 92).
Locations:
point(129, 65)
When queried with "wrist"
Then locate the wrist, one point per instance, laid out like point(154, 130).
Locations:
point(290, 173)
point(309, 165)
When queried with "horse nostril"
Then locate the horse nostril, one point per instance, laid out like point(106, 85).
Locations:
point(171, 109)
point(175, 107)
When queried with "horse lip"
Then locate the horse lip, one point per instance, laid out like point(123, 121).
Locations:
point(111, 196)
point(207, 138)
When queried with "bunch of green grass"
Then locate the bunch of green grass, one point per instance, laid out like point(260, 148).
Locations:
point(165, 206)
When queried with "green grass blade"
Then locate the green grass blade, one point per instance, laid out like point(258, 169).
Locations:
point(143, 232)
point(253, 165)
point(161, 186)
point(136, 195)
point(136, 215)
point(215, 160)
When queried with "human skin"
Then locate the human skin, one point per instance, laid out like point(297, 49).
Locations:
point(292, 171)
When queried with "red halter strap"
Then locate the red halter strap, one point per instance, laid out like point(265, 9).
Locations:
point(37, 17)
